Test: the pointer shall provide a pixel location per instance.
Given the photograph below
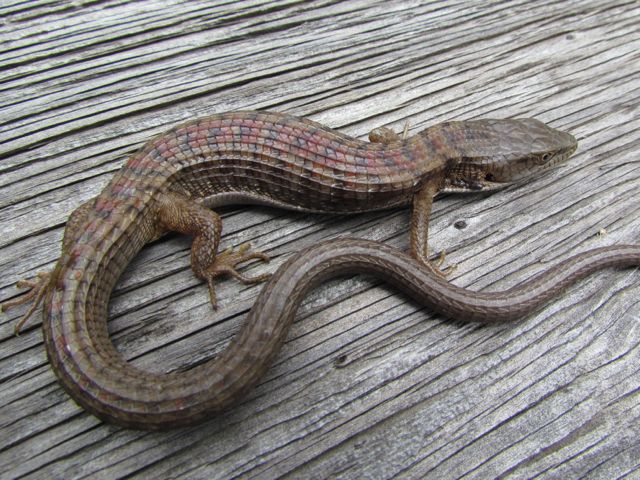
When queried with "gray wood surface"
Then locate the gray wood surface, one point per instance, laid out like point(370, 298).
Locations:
point(369, 384)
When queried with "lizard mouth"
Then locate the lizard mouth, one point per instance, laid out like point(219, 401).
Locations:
point(469, 179)
point(478, 177)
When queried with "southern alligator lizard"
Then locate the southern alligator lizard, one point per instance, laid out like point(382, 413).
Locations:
point(253, 157)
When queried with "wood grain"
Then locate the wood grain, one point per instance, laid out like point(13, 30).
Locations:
point(368, 384)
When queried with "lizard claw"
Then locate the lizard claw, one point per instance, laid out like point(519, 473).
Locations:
point(226, 263)
point(443, 272)
point(38, 287)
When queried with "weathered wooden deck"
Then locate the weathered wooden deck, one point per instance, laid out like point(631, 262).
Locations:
point(369, 385)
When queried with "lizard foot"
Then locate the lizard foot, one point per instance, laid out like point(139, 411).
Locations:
point(385, 135)
point(443, 272)
point(226, 264)
point(38, 287)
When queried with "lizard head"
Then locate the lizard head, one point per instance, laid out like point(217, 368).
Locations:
point(510, 151)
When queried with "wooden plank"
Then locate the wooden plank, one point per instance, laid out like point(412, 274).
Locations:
point(368, 384)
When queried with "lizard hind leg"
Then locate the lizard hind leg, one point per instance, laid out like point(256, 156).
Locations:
point(180, 214)
point(226, 263)
point(39, 286)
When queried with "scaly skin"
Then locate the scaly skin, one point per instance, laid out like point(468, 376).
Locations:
point(257, 157)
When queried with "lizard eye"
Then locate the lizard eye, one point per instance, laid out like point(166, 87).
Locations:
point(489, 177)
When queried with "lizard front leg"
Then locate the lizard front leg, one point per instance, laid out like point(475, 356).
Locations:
point(386, 136)
point(179, 214)
point(419, 229)
point(421, 204)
